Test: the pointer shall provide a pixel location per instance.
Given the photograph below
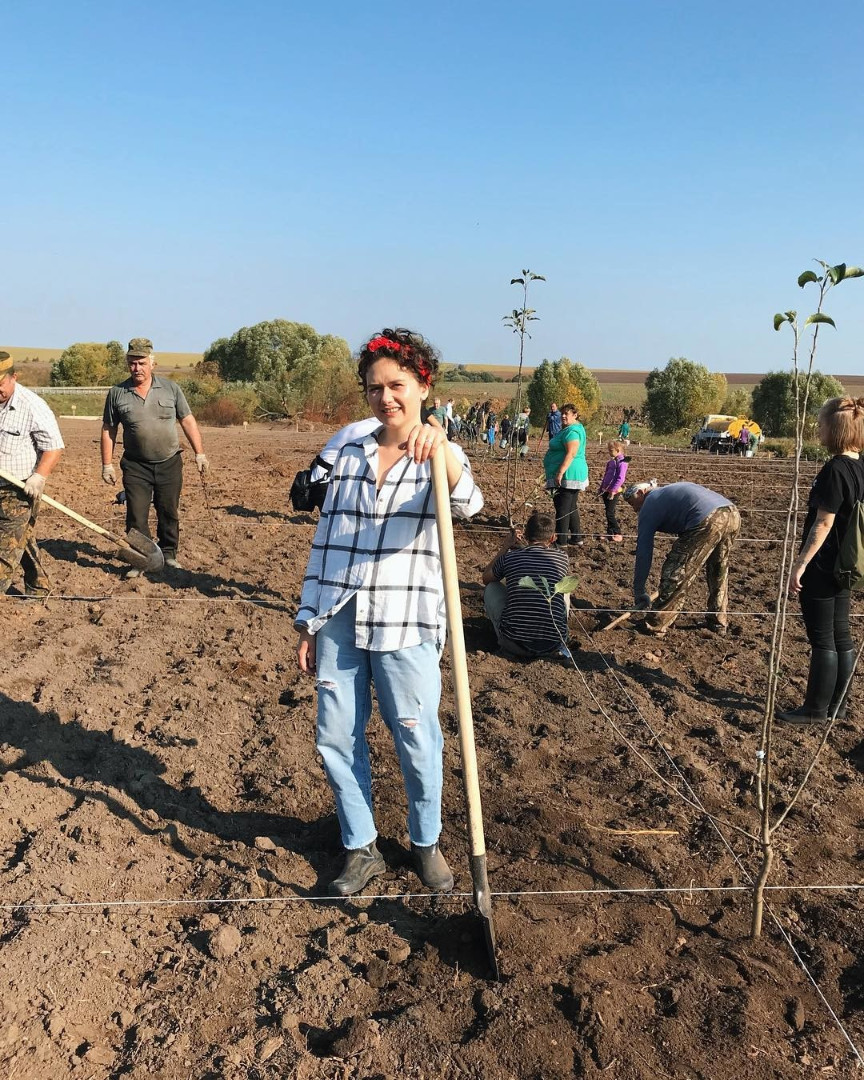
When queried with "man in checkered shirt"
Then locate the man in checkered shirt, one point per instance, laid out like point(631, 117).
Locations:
point(30, 447)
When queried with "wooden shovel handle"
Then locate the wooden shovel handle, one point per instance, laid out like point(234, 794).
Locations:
point(69, 513)
point(456, 634)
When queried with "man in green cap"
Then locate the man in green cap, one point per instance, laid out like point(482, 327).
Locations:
point(30, 447)
point(149, 408)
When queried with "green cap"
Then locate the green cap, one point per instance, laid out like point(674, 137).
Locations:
point(140, 346)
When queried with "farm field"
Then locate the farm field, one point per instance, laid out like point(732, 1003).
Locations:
point(621, 388)
point(161, 792)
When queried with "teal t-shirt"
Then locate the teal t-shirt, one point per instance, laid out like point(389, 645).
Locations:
point(578, 468)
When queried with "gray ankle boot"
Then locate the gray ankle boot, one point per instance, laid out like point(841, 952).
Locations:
point(361, 865)
point(432, 868)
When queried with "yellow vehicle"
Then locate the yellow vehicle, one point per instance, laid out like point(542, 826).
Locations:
point(719, 433)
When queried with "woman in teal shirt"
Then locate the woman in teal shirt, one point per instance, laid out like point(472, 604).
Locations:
point(566, 475)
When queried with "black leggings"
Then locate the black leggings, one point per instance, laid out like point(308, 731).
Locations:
point(567, 523)
point(826, 614)
point(611, 503)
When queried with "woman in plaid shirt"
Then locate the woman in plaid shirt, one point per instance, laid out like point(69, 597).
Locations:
point(372, 607)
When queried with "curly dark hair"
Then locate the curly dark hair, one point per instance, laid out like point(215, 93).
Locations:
point(411, 351)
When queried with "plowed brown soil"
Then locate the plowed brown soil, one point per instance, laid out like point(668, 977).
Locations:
point(157, 757)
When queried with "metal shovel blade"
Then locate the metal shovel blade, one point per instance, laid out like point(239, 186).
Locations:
point(142, 552)
point(484, 908)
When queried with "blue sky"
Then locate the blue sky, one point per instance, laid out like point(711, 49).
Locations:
point(181, 170)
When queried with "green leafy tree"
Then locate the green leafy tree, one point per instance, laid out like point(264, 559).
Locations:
point(680, 394)
point(563, 381)
point(774, 401)
point(291, 365)
point(90, 363)
point(738, 403)
point(587, 386)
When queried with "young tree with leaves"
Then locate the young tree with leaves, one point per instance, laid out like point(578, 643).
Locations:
point(790, 579)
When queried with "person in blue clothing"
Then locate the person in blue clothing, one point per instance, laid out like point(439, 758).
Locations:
point(553, 421)
point(566, 475)
point(706, 525)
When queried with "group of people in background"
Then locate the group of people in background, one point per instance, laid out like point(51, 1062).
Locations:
point(372, 612)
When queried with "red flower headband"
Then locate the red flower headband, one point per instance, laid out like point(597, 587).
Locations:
point(405, 351)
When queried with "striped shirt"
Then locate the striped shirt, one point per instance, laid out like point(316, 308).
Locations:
point(382, 546)
point(526, 618)
point(28, 427)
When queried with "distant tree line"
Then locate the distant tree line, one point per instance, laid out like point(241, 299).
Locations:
point(680, 394)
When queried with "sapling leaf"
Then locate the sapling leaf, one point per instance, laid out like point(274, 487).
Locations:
point(779, 320)
point(853, 271)
point(537, 277)
point(808, 275)
point(528, 583)
point(821, 263)
point(819, 317)
point(791, 315)
point(517, 281)
point(567, 584)
point(837, 273)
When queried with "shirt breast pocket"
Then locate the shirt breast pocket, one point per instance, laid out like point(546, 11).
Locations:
point(166, 410)
point(10, 440)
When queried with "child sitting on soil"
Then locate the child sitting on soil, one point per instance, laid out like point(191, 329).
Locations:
point(612, 485)
point(526, 626)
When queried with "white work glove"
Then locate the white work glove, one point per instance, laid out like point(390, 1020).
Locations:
point(643, 601)
point(108, 474)
point(202, 463)
point(34, 485)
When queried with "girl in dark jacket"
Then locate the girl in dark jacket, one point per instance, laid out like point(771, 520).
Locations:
point(824, 602)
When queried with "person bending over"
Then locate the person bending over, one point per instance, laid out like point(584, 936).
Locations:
point(706, 524)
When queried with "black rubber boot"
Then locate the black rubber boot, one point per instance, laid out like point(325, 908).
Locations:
point(361, 865)
point(845, 664)
point(432, 868)
point(820, 689)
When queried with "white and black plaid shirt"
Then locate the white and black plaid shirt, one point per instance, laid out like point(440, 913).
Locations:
point(27, 429)
point(383, 547)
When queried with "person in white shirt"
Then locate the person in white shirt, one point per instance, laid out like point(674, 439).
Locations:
point(30, 447)
point(323, 464)
point(372, 607)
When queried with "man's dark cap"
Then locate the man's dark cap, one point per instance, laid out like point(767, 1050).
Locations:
point(140, 346)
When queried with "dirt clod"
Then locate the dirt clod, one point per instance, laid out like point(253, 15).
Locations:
point(224, 942)
point(355, 1040)
point(795, 1014)
point(269, 1047)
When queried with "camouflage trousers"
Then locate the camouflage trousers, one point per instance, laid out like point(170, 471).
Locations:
point(18, 543)
point(708, 545)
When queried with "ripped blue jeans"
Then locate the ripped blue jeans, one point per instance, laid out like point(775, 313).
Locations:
point(408, 688)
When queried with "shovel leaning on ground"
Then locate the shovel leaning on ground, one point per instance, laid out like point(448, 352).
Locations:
point(456, 633)
point(135, 548)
